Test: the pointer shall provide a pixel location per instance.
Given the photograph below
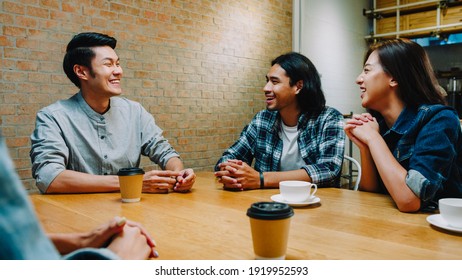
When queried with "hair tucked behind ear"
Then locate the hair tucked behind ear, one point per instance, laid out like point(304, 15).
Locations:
point(408, 63)
point(298, 67)
point(79, 51)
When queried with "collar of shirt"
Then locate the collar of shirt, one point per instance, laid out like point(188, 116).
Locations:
point(302, 121)
point(92, 114)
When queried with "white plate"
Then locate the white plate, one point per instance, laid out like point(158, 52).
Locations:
point(278, 198)
point(438, 221)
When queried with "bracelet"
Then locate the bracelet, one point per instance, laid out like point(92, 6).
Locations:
point(262, 181)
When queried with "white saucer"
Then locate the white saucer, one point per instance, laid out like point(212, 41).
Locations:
point(278, 198)
point(438, 221)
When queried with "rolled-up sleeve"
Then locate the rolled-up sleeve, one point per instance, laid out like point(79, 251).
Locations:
point(432, 156)
point(419, 184)
point(49, 152)
point(154, 144)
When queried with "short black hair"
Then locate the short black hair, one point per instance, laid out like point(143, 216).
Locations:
point(298, 67)
point(79, 51)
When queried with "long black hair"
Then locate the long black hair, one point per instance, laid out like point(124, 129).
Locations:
point(409, 65)
point(298, 67)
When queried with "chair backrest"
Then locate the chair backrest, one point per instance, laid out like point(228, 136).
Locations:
point(352, 171)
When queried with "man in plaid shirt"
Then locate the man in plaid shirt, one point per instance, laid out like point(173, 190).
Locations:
point(297, 137)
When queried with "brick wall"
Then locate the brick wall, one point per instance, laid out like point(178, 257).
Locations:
point(198, 66)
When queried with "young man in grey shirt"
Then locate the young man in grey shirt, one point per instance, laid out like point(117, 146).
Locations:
point(79, 144)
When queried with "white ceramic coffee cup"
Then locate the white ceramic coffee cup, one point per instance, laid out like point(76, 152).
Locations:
point(297, 191)
point(451, 211)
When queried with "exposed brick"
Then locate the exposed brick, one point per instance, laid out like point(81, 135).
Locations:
point(6, 109)
point(13, 7)
point(17, 142)
point(19, 120)
point(197, 66)
point(54, 4)
point(5, 42)
point(117, 8)
point(15, 76)
point(7, 19)
point(8, 131)
point(27, 65)
point(14, 31)
point(100, 4)
point(26, 22)
point(108, 15)
point(69, 7)
point(28, 88)
point(37, 12)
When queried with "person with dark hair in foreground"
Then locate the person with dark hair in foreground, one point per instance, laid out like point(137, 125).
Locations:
point(297, 137)
point(22, 237)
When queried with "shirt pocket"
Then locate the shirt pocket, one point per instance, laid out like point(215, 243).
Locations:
point(263, 160)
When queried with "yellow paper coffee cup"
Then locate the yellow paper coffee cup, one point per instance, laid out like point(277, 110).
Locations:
point(131, 183)
point(270, 223)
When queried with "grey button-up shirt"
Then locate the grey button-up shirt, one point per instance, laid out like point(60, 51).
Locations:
point(70, 135)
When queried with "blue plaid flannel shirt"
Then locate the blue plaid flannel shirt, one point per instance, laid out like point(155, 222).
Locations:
point(321, 141)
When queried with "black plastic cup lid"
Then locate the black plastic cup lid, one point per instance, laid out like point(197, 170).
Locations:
point(270, 211)
point(128, 171)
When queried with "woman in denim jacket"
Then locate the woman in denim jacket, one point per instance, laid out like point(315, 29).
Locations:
point(410, 142)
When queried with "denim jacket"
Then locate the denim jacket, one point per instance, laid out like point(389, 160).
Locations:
point(427, 142)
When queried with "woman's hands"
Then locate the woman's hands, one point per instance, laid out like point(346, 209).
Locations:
point(362, 129)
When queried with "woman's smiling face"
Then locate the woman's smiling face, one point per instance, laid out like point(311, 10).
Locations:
point(374, 83)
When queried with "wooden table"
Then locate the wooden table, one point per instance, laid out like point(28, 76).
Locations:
point(209, 223)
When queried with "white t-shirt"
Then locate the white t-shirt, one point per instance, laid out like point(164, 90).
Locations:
point(291, 158)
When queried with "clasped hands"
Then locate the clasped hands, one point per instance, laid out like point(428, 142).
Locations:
point(162, 181)
point(131, 240)
point(361, 129)
point(236, 175)
point(126, 238)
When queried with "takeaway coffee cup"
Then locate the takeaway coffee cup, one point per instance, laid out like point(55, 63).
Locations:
point(131, 183)
point(297, 191)
point(451, 211)
point(269, 224)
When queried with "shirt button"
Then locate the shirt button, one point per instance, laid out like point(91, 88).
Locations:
point(105, 156)
point(102, 137)
point(102, 118)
